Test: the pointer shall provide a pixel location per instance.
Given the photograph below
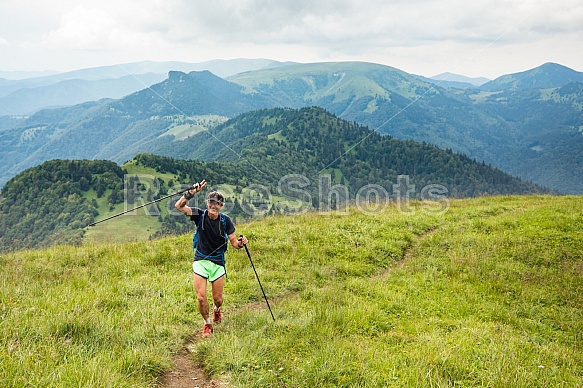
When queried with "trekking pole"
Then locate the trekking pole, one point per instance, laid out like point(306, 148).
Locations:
point(258, 281)
point(146, 204)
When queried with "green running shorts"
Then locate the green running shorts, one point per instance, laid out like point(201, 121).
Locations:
point(208, 270)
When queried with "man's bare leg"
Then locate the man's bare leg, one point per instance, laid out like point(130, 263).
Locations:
point(217, 290)
point(203, 304)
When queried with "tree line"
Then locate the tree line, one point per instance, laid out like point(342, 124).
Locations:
point(48, 204)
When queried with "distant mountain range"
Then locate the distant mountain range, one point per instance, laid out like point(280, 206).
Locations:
point(72, 92)
point(533, 132)
point(23, 96)
point(450, 80)
point(475, 81)
point(24, 93)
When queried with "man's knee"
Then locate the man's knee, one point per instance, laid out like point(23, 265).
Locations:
point(201, 298)
point(218, 300)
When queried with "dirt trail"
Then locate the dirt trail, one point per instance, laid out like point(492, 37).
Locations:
point(408, 254)
point(186, 373)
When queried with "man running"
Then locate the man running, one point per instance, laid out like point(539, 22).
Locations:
point(213, 232)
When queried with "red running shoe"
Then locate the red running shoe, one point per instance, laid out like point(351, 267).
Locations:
point(217, 316)
point(208, 329)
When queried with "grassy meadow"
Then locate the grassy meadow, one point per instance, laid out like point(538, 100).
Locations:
point(487, 293)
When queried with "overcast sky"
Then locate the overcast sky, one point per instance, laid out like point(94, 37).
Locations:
point(473, 38)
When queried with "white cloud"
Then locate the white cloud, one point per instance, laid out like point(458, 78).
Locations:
point(353, 28)
point(423, 36)
point(82, 28)
point(110, 25)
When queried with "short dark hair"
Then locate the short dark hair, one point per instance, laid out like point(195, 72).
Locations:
point(216, 196)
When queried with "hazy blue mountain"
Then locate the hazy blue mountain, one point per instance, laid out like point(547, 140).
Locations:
point(450, 77)
point(220, 67)
point(447, 84)
point(18, 75)
point(70, 92)
point(450, 80)
point(25, 96)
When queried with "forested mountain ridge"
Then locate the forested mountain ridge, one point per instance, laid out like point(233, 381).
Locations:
point(528, 132)
point(47, 204)
point(311, 140)
point(314, 147)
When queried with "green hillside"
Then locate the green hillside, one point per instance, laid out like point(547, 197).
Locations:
point(271, 161)
point(338, 81)
point(487, 293)
point(52, 203)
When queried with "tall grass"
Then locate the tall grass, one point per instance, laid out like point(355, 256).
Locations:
point(105, 315)
point(490, 293)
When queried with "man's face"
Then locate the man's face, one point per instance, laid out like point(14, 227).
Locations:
point(213, 207)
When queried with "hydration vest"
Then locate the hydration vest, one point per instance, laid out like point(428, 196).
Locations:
point(222, 229)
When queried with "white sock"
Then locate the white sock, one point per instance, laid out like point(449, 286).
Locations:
point(215, 308)
point(208, 320)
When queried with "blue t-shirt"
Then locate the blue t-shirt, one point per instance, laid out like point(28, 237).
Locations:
point(211, 236)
